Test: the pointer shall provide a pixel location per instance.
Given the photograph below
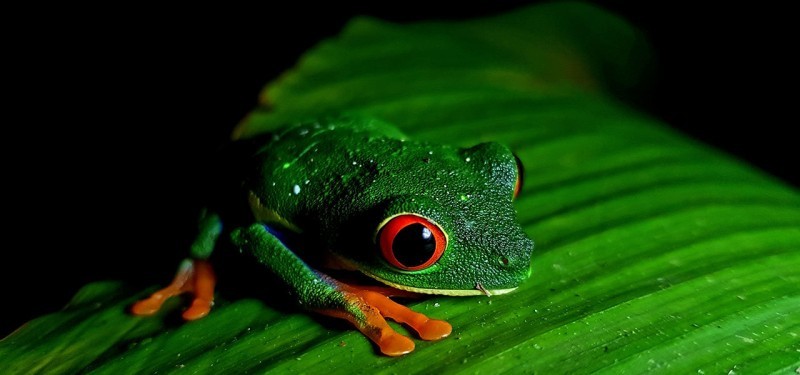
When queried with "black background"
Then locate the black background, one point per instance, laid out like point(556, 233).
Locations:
point(113, 111)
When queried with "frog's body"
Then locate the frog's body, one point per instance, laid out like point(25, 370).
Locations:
point(417, 216)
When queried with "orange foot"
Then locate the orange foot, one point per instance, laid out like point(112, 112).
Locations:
point(374, 306)
point(195, 276)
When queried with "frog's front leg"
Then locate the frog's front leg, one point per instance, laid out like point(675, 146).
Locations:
point(320, 293)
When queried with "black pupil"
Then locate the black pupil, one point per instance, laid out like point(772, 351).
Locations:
point(413, 245)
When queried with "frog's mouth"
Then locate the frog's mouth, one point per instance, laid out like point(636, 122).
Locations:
point(338, 262)
point(478, 291)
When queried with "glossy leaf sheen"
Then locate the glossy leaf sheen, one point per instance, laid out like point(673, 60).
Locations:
point(652, 252)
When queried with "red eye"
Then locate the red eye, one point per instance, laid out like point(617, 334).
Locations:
point(520, 175)
point(411, 242)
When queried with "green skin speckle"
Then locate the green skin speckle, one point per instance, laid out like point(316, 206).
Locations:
point(332, 183)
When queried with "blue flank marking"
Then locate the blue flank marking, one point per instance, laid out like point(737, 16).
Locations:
point(281, 236)
point(289, 237)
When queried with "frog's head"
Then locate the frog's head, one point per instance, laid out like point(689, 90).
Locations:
point(450, 228)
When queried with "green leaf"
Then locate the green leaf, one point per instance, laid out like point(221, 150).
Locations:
point(653, 252)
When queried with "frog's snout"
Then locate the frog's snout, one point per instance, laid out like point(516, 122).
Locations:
point(516, 262)
point(517, 258)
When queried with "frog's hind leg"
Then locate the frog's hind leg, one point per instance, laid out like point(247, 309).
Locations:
point(194, 276)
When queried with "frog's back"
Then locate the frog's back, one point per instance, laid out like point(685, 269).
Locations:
point(312, 144)
point(302, 167)
point(285, 141)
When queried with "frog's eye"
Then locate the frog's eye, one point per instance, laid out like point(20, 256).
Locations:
point(520, 175)
point(411, 242)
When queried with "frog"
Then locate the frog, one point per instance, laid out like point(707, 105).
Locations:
point(355, 194)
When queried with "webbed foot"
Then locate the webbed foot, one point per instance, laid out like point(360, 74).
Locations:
point(367, 310)
point(193, 276)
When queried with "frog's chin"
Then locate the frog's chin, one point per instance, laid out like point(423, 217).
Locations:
point(478, 291)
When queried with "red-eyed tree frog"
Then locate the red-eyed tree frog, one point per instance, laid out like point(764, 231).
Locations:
point(355, 194)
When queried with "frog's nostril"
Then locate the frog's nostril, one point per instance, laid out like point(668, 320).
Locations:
point(503, 261)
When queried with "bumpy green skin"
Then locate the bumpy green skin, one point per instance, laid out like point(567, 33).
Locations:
point(336, 180)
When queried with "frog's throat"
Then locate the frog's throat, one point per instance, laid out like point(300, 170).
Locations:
point(444, 292)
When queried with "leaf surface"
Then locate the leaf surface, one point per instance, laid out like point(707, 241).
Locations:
point(653, 252)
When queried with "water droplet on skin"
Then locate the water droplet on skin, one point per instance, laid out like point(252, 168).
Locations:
point(296, 189)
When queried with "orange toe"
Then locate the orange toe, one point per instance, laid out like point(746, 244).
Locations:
point(395, 345)
point(199, 309)
point(434, 330)
point(147, 306)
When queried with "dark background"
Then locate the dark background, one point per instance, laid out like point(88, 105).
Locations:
point(113, 111)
